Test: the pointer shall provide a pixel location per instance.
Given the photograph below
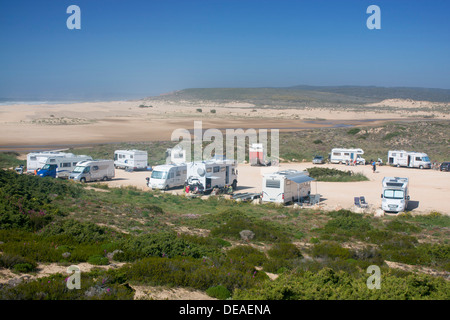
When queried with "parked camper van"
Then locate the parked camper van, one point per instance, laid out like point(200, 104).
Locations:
point(411, 159)
point(92, 170)
point(395, 195)
point(256, 154)
point(36, 160)
point(176, 155)
point(205, 175)
point(131, 159)
point(167, 176)
point(339, 155)
point(61, 166)
point(286, 186)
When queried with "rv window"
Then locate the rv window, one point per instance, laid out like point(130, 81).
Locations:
point(52, 160)
point(208, 169)
point(33, 158)
point(158, 175)
point(233, 171)
point(216, 169)
point(346, 154)
point(394, 194)
point(418, 159)
point(272, 183)
point(171, 175)
point(131, 156)
point(95, 168)
point(74, 164)
point(65, 165)
point(115, 156)
point(336, 153)
point(178, 173)
point(222, 169)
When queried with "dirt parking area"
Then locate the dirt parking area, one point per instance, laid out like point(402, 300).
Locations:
point(429, 189)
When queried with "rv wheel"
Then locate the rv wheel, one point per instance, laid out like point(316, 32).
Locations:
point(166, 188)
point(420, 167)
point(234, 185)
point(105, 178)
point(83, 180)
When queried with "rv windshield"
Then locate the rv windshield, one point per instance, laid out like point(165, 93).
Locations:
point(394, 194)
point(78, 169)
point(159, 175)
point(426, 159)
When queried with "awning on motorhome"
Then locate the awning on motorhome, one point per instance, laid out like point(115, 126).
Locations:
point(301, 179)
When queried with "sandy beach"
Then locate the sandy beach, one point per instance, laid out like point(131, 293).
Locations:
point(28, 127)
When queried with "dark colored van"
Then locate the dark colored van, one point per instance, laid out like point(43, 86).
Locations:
point(445, 166)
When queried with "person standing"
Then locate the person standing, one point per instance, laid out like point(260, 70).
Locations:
point(374, 166)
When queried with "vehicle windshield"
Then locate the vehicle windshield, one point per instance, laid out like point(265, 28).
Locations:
point(78, 169)
point(318, 157)
point(394, 194)
point(159, 175)
point(46, 167)
point(426, 159)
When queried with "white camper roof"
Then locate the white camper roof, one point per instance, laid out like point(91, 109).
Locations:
point(395, 182)
point(357, 150)
point(130, 151)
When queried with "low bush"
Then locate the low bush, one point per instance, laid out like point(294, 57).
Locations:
point(98, 260)
point(330, 250)
point(218, 292)
point(248, 254)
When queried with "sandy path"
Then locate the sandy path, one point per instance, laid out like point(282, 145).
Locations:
point(428, 188)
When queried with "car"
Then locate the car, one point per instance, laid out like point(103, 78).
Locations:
point(318, 160)
point(445, 166)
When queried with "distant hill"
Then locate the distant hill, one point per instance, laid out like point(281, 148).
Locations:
point(311, 95)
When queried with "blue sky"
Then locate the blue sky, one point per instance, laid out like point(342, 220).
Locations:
point(141, 48)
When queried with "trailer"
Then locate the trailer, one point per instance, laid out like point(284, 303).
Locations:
point(131, 159)
point(36, 160)
point(395, 194)
point(410, 159)
point(61, 166)
point(342, 155)
point(167, 176)
point(204, 176)
point(286, 186)
point(93, 170)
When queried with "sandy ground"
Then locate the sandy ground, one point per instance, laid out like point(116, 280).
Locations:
point(37, 126)
point(428, 188)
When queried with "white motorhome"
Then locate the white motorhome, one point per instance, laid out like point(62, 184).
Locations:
point(395, 194)
point(286, 186)
point(92, 170)
point(411, 159)
point(342, 155)
point(66, 164)
point(167, 176)
point(36, 160)
point(206, 175)
point(131, 159)
point(177, 155)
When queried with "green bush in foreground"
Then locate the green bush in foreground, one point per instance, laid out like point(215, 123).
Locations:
point(331, 285)
point(219, 292)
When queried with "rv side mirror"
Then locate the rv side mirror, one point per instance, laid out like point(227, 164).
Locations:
point(407, 198)
point(382, 196)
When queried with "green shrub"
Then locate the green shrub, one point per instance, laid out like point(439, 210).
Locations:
point(353, 131)
point(402, 226)
point(330, 250)
point(248, 254)
point(98, 260)
point(199, 110)
point(24, 267)
point(213, 110)
point(318, 141)
point(218, 292)
point(335, 175)
point(285, 251)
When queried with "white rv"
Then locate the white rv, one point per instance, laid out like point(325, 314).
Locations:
point(167, 176)
point(131, 159)
point(341, 155)
point(411, 159)
point(395, 194)
point(65, 162)
point(206, 175)
point(177, 155)
point(36, 160)
point(92, 170)
point(286, 186)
